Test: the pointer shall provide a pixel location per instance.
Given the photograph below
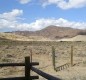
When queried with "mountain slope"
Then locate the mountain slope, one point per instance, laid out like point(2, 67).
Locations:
point(52, 32)
point(10, 36)
point(76, 38)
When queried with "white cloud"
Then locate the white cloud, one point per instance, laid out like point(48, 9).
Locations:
point(11, 20)
point(24, 1)
point(66, 4)
point(11, 15)
point(42, 23)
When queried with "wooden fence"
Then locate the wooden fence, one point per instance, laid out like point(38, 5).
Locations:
point(62, 67)
point(28, 67)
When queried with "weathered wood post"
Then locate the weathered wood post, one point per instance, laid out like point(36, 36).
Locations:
point(31, 54)
point(27, 68)
point(53, 57)
point(71, 56)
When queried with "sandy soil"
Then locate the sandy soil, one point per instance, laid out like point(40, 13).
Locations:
point(76, 38)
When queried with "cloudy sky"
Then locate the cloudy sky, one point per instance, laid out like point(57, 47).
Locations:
point(37, 14)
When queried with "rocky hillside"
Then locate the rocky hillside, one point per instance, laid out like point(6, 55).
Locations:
point(53, 32)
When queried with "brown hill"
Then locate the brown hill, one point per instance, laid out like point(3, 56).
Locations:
point(53, 32)
point(10, 36)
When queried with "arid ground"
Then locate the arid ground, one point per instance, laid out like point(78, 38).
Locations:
point(15, 51)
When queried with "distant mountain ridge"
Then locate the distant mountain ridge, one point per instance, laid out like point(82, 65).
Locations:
point(53, 32)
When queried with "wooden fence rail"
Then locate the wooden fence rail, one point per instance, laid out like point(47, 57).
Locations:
point(28, 67)
point(43, 74)
point(17, 64)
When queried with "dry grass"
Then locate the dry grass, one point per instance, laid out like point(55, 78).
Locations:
point(12, 36)
point(42, 54)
